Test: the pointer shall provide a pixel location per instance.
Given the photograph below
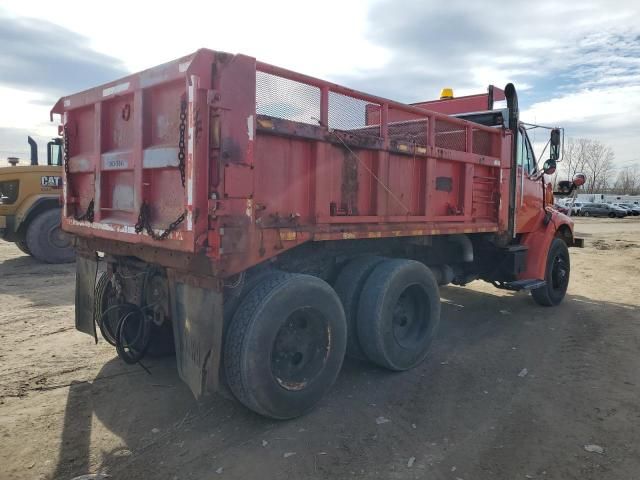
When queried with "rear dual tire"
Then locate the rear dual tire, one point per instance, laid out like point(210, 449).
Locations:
point(285, 345)
point(348, 286)
point(398, 314)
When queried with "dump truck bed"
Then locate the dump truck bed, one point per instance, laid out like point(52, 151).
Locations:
point(221, 156)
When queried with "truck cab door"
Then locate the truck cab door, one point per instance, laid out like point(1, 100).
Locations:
point(530, 191)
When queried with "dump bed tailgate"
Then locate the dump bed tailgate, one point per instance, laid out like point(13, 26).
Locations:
point(131, 149)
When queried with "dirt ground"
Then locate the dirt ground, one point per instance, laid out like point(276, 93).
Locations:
point(69, 407)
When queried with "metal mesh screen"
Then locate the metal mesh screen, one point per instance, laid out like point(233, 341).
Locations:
point(450, 135)
point(482, 143)
point(287, 99)
point(413, 131)
point(350, 114)
point(283, 98)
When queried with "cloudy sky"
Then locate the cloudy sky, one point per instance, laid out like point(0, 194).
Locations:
point(575, 64)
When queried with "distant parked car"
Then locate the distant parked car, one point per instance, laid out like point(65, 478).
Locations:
point(577, 207)
point(602, 210)
point(631, 208)
point(635, 208)
point(626, 209)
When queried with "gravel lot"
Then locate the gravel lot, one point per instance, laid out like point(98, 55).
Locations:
point(472, 411)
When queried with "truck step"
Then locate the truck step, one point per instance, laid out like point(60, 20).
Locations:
point(515, 248)
point(528, 284)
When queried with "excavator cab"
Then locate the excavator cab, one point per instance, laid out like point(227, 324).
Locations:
point(54, 152)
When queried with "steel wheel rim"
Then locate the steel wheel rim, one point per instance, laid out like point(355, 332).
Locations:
point(410, 318)
point(560, 273)
point(300, 349)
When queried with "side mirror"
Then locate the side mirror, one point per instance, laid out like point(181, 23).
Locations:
point(566, 187)
point(554, 142)
point(549, 167)
point(579, 179)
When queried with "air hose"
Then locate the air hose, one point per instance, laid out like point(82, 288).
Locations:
point(133, 350)
point(131, 343)
point(131, 333)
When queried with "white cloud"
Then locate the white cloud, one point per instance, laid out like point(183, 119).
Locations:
point(610, 115)
point(610, 107)
point(316, 39)
point(24, 109)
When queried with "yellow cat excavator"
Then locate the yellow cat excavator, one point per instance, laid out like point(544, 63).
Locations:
point(30, 209)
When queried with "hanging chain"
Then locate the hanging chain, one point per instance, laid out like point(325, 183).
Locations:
point(66, 152)
point(89, 214)
point(144, 216)
point(181, 144)
point(144, 223)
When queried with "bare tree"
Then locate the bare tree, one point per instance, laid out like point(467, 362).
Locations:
point(575, 158)
point(628, 180)
point(598, 165)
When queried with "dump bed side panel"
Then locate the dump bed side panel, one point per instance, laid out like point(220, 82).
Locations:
point(272, 159)
point(331, 163)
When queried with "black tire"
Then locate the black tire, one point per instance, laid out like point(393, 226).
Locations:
point(398, 314)
point(233, 296)
point(612, 215)
point(348, 286)
point(285, 345)
point(557, 275)
point(22, 245)
point(46, 241)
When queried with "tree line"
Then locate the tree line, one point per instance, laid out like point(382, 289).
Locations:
point(596, 160)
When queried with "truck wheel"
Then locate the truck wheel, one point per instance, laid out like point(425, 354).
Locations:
point(22, 245)
point(46, 240)
point(234, 295)
point(348, 286)
point(285, 345)
point(556, 276)
point(398, 314)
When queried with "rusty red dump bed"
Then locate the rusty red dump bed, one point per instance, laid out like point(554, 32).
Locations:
point(270, 159)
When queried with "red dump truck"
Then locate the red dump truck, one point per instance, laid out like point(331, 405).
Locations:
point(261, 222)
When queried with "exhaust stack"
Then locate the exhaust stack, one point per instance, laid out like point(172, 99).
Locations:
point(34, 150)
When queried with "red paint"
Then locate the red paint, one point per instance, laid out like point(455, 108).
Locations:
point(539, 241)
point(406, 169)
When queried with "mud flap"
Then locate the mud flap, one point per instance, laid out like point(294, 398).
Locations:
point(86, 269)
point(197, 331)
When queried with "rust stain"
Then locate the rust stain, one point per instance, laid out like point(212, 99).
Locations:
point(349, 187)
